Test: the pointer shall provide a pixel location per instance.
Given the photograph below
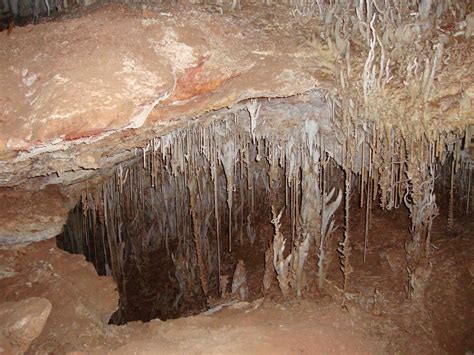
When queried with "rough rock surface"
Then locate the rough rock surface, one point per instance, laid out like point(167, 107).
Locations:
point(77, 294)
point(83, 302)
point(21, 323)
point(28, 216)
point(85, 92)
point(116, 73)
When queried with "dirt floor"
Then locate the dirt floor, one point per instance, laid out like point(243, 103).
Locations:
point(83, 302)
point(377, 318)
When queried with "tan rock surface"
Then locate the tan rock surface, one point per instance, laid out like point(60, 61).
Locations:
point(21, 322)
point(27, 216)
point(78, 295)
point(77, 81)
point(83, 302)
point(84, 92)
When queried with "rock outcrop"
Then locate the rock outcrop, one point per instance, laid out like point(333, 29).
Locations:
point(87, 93)
point(22, 322)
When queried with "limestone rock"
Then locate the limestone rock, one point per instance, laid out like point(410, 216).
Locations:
point(27, 216)
point(123, 79)
point(470, 25)
point(21, 322)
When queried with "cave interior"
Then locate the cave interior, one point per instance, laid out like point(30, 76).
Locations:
point(211, 155)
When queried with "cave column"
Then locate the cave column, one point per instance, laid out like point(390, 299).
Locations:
point(420, 200)
point(310, 208)
point(310, 216)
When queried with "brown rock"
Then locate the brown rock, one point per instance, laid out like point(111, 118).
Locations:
point(5, 347)
point(27, 216)
point(97, 91)
point(21, 322)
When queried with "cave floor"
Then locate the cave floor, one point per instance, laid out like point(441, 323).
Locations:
point(82, 303)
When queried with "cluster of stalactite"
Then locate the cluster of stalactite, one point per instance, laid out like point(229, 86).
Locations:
point(192, 195)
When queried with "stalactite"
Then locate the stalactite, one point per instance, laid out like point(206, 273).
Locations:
point(345, 247)
point(368, 206)
point(197, 220)
point(216, 211)
point(274, 182)
point(451, 198)
point(241, 209)
point(253, 108)
point(227, 158)
point(362, 178)
point(469, 169)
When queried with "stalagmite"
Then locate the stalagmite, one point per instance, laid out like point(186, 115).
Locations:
point(327, 228)
point(239, 281)
point(280, 262)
